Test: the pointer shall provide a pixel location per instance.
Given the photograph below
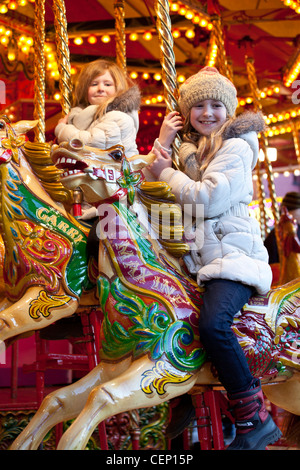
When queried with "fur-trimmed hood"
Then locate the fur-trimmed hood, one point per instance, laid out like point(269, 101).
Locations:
point(246, 126)
point(244, 123)
point(127, 102)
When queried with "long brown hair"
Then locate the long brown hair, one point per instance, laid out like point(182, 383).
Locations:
point(92, 70)
point(207, 146)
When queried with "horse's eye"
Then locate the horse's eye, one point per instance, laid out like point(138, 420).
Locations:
point(117, 155)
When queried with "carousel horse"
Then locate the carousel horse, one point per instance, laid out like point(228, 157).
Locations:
point(150, 350)
point(290, 247)
point(44, 265)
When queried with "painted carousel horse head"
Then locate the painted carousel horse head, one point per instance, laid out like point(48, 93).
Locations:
point(98, 172)
point(45, 262)
point(150, 349)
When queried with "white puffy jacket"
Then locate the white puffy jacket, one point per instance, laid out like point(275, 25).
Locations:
point(228, 243)
point(119, 125)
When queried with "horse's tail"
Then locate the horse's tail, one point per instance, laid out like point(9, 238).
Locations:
point(292, 430)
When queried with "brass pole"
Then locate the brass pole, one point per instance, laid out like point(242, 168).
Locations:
point(119, 7)
point(63, 55)
point(296, 141)
point(39, 70)
point(63, 58)
point(261, 198)
point(167, 58)
point(217, 31)
point(264, 142)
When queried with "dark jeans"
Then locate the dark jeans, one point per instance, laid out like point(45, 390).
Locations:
point(221, 301)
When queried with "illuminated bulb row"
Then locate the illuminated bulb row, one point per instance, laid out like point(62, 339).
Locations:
point(147, 36)
point(51, 62)
point(189, 33)
point(294, 5)
point(191, 15)
point(279, 117)
point(106, 38)
point(176, 33)
point(285, 173)
point(212, 55)
point(157, 76)
point(274, 131)
point(92, 39)
point(179, 8)
point(263, 94)
point(13, 5)
point(153, 100)
point(291, 75)
point(145, 76)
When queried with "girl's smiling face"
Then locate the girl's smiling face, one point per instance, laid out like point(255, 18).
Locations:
point(101, 88)
point(208, 116)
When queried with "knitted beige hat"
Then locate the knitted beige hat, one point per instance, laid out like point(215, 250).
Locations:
point(208, 83)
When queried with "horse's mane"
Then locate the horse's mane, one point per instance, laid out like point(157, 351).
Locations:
point(160, 204)
point(156, 197)
point(38, 155)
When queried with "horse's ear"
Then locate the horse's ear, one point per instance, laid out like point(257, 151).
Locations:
point(22, 127)
point(138, 162)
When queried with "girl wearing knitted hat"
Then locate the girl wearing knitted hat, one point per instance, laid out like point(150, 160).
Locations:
point(218, 154)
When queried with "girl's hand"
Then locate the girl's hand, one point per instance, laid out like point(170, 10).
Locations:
point(63, 119)
point(162, 161)
point(172, 124)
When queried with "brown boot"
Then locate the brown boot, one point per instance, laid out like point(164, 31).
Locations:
point(255, 428)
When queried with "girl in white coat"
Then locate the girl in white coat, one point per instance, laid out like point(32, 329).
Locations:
point(105, 112)
point(228, 257)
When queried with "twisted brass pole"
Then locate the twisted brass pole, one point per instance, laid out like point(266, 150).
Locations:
point(261, 198)
point(63, 55)
point(257, 105)
point(167, 59)
point(219, 40)
point(63, 59)
point(119, 8)
point(264, 142)
point(39, 70)
point(296, 141)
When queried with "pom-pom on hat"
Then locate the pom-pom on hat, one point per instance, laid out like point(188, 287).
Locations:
point(207, 84)
point(291, 201)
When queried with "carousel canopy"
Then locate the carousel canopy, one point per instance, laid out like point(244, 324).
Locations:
point(225, 33)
